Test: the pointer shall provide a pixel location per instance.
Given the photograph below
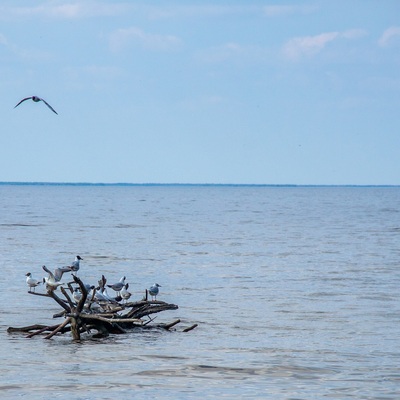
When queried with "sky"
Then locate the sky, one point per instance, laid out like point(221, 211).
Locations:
point(223, 92)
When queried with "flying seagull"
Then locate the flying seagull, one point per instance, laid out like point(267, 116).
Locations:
point(36, 99)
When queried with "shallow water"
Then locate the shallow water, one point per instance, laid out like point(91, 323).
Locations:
point(295, 290)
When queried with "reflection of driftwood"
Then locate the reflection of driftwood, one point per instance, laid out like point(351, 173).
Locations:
point(112, 318)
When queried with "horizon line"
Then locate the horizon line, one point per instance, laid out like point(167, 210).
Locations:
point(46, 183)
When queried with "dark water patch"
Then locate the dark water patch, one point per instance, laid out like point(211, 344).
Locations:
point(240, 373)
point(9, 387)
point(21, 225)
point(389, 210)
point(129, 226)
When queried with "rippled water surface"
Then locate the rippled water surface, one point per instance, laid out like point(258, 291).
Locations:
point(295, 291)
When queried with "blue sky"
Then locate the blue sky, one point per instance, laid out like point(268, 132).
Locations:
point(274, 92)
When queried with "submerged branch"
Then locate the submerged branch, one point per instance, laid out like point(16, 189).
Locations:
point(59, 328)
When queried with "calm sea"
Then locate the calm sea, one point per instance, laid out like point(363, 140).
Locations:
point(295, 290)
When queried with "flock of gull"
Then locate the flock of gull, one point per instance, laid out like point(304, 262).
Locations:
point(99, 294)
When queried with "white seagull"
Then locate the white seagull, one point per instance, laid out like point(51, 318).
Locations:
point(75, 265)
point(124, 292)
point(99, 296)
point(88, 287)
point(77, 295)
point(153, 291)
point(106, 295)
point(31, 282)
point(36, 99)
point(51, 281)
point(119, 285)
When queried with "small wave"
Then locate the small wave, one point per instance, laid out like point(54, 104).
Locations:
point(227, 372)
point(21, 225)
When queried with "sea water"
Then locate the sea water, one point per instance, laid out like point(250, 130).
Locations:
point(295, 290)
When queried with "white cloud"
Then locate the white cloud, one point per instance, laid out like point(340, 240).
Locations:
point(135, 36)
point(307, 45)
point(304, 46)
point(388, 35)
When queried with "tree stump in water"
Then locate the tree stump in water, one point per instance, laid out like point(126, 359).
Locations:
point(111, 318)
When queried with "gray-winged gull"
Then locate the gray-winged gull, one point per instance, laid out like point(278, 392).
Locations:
point(36, 99)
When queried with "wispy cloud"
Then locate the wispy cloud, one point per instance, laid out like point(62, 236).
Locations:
point(279, 10)
point(353, 34)
point(65, 10)
point(31, 54)
point(3, 40)
point(96, 75)
point(221, 53)
point(198, 10)
point(306, 46)
point(388, 36)
point(234, 52)
point(136, 36)
point(72, 9)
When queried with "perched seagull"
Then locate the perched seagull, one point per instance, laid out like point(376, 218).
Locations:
point(153, 291)
point(102, 296)
point(36, 99)
point(51, 282)
point(124, 292)
point(119, 285)
point(88, 287)
point(77, 295)
point(75, 265)
point(31, 282)
point(107, 296)
point(99, 296)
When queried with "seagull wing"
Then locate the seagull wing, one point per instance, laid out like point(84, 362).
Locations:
point(58, 272)
point(51, 276)
point(102, 281)
point(47, 104)
point(26, 98)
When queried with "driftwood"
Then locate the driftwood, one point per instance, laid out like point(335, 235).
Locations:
point(113, 317)
point(188, 329)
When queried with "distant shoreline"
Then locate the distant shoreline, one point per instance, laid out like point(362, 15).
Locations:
point(121, 184)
